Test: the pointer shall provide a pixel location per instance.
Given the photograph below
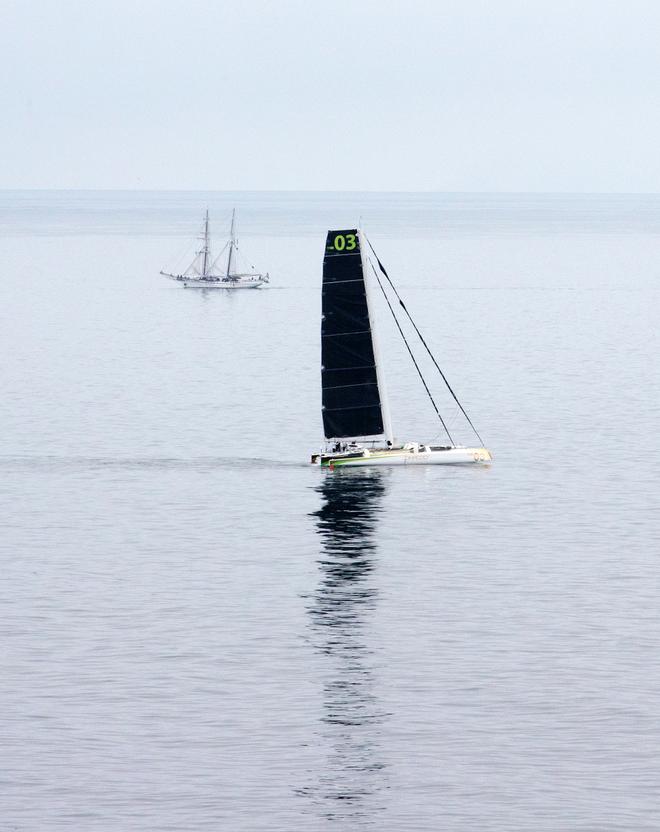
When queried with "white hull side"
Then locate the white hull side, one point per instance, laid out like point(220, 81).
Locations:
point(450, 456)
point(205, 284)
point(191, 283)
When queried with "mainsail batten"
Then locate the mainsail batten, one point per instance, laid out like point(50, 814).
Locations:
point(352, 405)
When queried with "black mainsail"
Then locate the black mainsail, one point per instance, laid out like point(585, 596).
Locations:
point(349, 377)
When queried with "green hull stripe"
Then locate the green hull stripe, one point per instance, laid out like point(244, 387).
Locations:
point(329, 462)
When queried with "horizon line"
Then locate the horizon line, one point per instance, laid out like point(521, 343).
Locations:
point(325, 191)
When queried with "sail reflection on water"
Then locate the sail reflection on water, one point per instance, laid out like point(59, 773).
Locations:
point(351, 782)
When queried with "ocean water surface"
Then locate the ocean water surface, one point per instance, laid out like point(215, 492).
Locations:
point(202, 631)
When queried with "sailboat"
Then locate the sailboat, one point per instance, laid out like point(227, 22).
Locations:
point(355, 409)
point(221, 272)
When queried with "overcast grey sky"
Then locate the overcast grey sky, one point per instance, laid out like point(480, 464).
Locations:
point(505, 95)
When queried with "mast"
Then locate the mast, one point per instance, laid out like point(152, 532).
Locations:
point(232, 241)
point(206, 243)
point(384, 402)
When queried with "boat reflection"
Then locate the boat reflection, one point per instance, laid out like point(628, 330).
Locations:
point(351, 780)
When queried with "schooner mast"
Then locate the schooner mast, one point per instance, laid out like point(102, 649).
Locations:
point(206, 250)
point(232, 241)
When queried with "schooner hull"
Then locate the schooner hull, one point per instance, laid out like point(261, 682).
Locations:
point(405, 456)
point(190, 284)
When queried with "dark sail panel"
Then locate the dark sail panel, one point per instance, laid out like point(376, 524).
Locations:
point(351, 401)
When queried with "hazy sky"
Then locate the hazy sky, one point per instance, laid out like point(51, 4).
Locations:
point(508, 95)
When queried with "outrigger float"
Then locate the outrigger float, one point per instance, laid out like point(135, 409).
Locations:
point(355, 409)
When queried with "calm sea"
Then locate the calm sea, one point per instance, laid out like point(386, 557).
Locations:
point(200, 631)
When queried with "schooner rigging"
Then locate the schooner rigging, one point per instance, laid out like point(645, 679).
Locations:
point(221, 272)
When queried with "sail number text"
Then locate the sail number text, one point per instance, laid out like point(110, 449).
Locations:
point(344, 242)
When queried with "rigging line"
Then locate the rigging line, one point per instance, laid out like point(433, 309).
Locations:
point(410, 352)
point(219, 255)
point(426, 346)
point(184, 251)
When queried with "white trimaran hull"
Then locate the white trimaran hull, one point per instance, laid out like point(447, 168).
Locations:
point(404, 456)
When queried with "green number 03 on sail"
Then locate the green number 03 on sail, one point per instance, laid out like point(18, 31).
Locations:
point(345, 242)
